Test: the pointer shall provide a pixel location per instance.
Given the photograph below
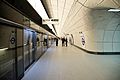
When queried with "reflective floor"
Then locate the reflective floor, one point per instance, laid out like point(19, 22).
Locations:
point(70, 63)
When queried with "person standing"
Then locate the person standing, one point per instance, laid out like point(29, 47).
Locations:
point(66, 41)
point(63, 41)
point(56, 41)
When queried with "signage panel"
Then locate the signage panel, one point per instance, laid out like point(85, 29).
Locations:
point(50, 21)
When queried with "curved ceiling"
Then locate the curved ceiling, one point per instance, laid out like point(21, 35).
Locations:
point(66, 10)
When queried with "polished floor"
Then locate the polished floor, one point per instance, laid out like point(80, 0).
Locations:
point(71, 63)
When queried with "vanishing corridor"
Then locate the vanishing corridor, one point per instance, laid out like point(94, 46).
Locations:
point(70, 63)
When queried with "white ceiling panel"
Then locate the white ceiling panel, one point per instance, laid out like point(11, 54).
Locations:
point(76, 12)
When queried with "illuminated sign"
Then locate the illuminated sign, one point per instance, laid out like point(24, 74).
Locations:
point(50, 21)
point(12, 39)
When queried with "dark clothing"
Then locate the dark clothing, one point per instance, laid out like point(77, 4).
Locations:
point(66, 41)
point(56, 42)
point(63, 40)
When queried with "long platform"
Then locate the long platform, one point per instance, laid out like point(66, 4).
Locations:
point(71, 63)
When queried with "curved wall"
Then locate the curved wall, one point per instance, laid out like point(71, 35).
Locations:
point(100, 29)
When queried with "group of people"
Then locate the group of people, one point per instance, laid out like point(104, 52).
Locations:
point(64, 41)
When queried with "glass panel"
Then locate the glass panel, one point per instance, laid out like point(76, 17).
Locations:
point(34, 46)
point(31, 49)
point(39, 47)
point(7, 53)
point(26, 49)
point(20, 64)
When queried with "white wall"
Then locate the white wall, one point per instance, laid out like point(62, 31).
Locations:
point(101, 28)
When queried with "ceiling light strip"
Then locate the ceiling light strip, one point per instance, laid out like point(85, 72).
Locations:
point(38, 6)
point(114, 10)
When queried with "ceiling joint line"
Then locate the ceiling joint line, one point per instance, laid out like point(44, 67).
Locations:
point(76, 12)
point(57, 8)
point(76, 22)
point(84, 5)
point(69, 13)
point(52, 8)
point(116, 3)
point(63, 12)
point(100, 2)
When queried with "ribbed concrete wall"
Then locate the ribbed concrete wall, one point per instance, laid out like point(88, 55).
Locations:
point(90, 23)
point(100, 28)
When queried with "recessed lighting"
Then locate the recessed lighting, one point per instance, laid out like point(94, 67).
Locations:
point(38, 6)
point(114, 10)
